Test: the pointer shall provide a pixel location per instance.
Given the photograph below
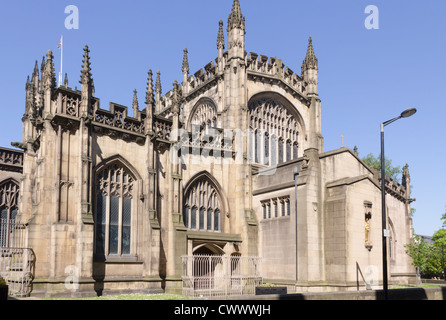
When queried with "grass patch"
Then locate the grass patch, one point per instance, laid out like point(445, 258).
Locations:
point(424, 285)
point(130, 297)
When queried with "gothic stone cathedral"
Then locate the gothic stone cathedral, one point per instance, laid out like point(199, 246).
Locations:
point(208, 168)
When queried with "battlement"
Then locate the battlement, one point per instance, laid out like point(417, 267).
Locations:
point(260, 66)
point(395, 189)
point(202, 79)
point(11, 160)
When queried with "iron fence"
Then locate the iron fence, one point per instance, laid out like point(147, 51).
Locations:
point(17, 262)
point(12, 234)
point(17, 269)
point(211, 276)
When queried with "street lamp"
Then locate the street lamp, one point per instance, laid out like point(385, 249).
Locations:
point(405, 114)
point(296, 176)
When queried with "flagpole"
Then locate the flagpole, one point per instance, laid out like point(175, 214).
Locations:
point(61, 61)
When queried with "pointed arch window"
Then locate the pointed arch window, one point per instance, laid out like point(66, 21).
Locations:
point(9, 195)
point(280, 150)
point(202, 207)
point(288, 150)
point(276, 127)
point(204, 115)
point(295, 151)
point(266, 148)
point(114, 208)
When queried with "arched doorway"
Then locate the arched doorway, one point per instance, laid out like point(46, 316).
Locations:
point(208, 267)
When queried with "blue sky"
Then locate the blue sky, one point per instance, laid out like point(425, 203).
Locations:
point(366, 76)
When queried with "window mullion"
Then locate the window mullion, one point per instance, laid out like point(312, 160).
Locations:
point(107, 221)
point(120, 223)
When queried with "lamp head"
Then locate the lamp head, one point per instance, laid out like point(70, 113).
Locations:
point(296, 170)
point(408, 113)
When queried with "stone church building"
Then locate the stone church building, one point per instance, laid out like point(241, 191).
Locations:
point(229, 163)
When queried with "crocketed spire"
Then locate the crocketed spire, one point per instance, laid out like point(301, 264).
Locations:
point(158, 83)
point(135, 104)
point(49, 75)
point(86, 69)
point(310, 61)
point(185, 67)
point(236, 18)
point(221, 36)
point(150, 97)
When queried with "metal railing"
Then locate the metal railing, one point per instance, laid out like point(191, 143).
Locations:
point(12, 234)
point(17, 263)
point(211, 276)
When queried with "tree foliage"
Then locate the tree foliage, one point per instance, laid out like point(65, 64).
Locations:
point(427, 257)
point(390, 170)
point(443, 217)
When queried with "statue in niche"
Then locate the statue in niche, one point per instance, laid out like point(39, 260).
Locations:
point(368, 218)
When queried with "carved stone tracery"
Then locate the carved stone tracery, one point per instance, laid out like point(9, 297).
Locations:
point(275, 130)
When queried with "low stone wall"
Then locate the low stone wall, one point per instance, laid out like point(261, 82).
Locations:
point(437, 293)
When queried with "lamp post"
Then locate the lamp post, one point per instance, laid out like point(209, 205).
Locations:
point(406, 114)
point(296, 176)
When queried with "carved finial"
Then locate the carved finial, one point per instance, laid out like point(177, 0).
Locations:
point(158, 83)
point(86, 69)
point(310, 61)
point(31, 100)
point(135, 103)
point(35, 72)
point(406, 174)
point(65, 83)
point(176, 97)
point(185, 67)
point(49, 75)
point(27, 84)
point(220, 37)
point(406, 178)
point(42, 65)
point(236, 19)
point(150, 98)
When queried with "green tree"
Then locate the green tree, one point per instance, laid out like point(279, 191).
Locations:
point(417, 250)
point(440, 242)
point(427, 257)
point(443, 217)
point(390, 170)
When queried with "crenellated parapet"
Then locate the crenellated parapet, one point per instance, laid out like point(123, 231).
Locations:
point(117, 117)
point(11, 160)
point(203, 79)
point(269, 69)
point(395, 189)
point(116, 121)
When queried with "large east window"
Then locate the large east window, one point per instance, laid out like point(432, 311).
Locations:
point(274, 132)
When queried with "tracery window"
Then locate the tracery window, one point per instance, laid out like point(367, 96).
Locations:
point(202, 208)
point(9, 195)
point(114, 206)
point(205, 116)
point(275, 132)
